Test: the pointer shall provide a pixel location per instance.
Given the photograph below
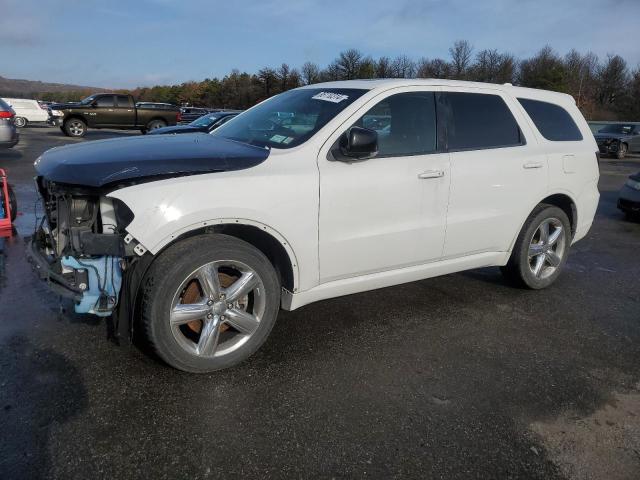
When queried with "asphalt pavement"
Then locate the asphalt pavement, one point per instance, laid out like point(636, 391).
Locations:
point(461, 376)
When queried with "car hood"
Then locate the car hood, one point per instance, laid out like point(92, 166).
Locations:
point(62, 106)
point(177, 129)
point(103, 162)
point(615, 136)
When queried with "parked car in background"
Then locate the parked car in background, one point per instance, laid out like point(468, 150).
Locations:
point(189, 114)
point(8, 132)
point(203, 238)
point(27, 111)
point(629, 198)
point(206, 123)
point(617, 139)
point(110, 110)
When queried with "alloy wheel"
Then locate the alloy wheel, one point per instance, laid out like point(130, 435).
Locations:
point(76, 128)
point(547, 248)
point(217, 308)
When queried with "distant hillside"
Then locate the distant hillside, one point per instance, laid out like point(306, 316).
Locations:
point(36, 89)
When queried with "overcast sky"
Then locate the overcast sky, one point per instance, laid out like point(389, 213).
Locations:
point(126, 43)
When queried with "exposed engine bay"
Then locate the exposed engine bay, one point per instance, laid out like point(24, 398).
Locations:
point(81, 247)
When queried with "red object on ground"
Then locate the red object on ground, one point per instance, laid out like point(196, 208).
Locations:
point(5, 223)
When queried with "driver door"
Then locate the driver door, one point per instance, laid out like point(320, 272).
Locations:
point(389, 211)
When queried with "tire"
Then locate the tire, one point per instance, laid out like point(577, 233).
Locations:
point(622, 151)
point(13, 203)
point(521, 269)
point(75, 127)
point(21, 122)
point(154, 124)
point(173, 280)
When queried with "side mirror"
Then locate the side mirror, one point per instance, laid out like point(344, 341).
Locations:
point(359, 143)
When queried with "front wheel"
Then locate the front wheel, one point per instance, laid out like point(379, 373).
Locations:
point(75, 127)
point(541, 248)
point(209, 302)
point(21, 122)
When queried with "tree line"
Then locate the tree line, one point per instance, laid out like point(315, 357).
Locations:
point(604, 88)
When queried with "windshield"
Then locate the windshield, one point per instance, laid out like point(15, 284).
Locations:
point(289, 119)
point(206, 120)
point(617, 128)
point(87, 100)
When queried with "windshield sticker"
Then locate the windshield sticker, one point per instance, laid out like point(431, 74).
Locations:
point(287, 140)
point(330, 97)
point(278, 138)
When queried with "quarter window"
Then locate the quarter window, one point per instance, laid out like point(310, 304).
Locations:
point(479, 121)
point(553, 121)
point(405, 122)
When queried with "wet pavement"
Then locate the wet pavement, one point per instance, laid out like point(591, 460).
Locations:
point(460, 376)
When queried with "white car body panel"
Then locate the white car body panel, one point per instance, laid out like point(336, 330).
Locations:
point(351, 227)
point(29, 109)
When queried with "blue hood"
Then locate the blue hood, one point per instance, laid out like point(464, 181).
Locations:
point(103, 162)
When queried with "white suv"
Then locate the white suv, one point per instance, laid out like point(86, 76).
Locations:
point(196, 241)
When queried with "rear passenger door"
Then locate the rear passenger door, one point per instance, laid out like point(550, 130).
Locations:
point(498, 172)
point(124, 113)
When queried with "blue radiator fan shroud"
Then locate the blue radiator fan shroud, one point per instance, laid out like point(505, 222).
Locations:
point(105, 280)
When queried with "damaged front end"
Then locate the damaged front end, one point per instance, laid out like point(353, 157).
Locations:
point(81, 247)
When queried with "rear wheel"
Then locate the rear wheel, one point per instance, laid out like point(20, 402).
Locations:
point(622, 151)
point(209, 302)
point(541, 249)
point(21, 122)
point(153, 125)
point(75, 127)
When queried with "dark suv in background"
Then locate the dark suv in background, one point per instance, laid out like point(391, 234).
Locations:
point(618, 139)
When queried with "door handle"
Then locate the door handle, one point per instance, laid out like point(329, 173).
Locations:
point(532, 165)
point(431, 174)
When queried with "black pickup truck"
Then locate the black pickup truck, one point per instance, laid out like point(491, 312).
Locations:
point(111, 110)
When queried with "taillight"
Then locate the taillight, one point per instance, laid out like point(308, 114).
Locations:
point(5, 114)
point(178, 117)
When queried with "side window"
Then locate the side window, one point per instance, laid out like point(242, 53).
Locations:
point(553, 121)
point(105, 101)
point(480, 121)
point(405, 122)
point(122, 101)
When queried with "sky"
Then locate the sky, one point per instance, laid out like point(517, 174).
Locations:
point(129, 43)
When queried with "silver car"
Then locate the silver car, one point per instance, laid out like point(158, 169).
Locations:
point(8, 132)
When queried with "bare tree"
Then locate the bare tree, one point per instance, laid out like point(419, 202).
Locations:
point(436, 68)
point(403, 67)
point(348, 63)
point(383, 67)
point(460, 58)
point(613, 79)
point(310, 73)
point(283, 75)
point(492, 66)
point(581, 76)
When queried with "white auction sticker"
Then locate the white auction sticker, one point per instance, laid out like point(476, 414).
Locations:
point(330, 97)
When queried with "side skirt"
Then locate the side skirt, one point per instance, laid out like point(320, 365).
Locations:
point(348, 286)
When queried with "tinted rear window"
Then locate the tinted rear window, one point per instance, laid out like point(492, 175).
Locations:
point(479, 121)
point(553, 121)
